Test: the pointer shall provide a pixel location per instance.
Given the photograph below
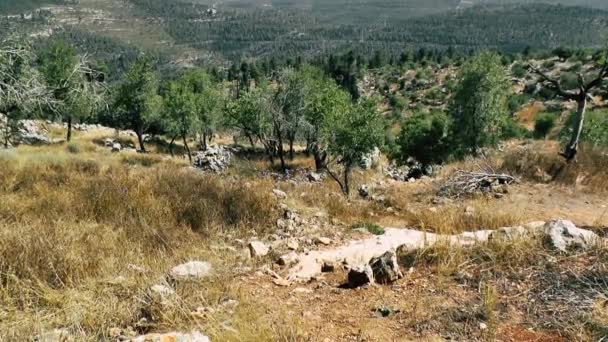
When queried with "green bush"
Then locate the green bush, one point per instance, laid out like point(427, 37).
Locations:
point(425, 138)
point(544, 124)
point(370, 227)
point(595, 129)
point(513, 130)
point(519, 70)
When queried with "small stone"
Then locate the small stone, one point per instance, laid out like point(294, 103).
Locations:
point(279, 194)
point(193, 270)
point(193, 336)
point(288, 259)
point(483, 326)
point(258, 249)
point(292, 244)
point(116, 147)
point(281, 282)
point(314, 177)
point(323, 241)
point(385, 268)
point(162, 290)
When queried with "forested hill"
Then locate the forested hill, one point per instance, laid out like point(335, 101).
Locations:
point(205, 31)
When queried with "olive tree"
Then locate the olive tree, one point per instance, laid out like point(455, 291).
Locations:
point(208, 99)
point(180, 111)
point(72, 83)
point(580, 92)
point(136, 100)
point(479, 106)
point(21, 89)
point(350, 135)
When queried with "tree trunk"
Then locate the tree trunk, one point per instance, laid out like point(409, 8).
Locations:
point(69, 137)
point(282, 155)
point(320, 158)
point(204, 141)
point(187, 148)
point(140, 139)
point(572, 148)
point(291, 151)
point(171, 145)
point(346, 188)
point(251, 141)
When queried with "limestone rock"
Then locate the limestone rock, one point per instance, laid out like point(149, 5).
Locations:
point(160, 290)
point(370, 159)
point(288, 259)
point(193, 336)
point(57, 335)
point(258, 249)
point(314, 177)
point(385, 268)
point(215, 159)
point(279, 193)
point(116, 147)
point(323, 241)
point(563, 235)
point(193, 270)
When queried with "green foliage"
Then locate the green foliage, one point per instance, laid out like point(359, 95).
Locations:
point(355, 134)
point(569, 80)
point(180, 109)
point(21, 88)
point(249, 113)
point(543, 124)
point(516, 102)
point(479, 106)
point(595, 130)
point(519, 70)
point(136, 101)
point(425, 138)
point(71, 82)
point(370, 227)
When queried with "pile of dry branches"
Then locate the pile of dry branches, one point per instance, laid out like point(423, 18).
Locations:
point(464, 183)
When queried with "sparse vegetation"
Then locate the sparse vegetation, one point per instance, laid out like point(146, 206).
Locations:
point(404, 163)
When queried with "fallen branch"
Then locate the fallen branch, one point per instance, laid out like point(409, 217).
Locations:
point(464, 183)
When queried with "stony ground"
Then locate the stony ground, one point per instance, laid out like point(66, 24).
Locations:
point(137, 245)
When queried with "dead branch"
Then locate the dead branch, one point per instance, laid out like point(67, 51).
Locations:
point(464, 183)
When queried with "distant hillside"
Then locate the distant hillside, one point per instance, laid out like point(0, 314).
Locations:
point(16, 6)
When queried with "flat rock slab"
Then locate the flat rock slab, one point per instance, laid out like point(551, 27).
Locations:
point(563, 234)
point(193, 270)
point(193, 336)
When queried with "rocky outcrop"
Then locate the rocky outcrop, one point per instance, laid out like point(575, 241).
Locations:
point(369, 160)
point(385, 268)
point(215, 159)
point(564, 236)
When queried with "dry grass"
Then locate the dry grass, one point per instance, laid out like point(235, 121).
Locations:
point(71, 228)
point(540, 162)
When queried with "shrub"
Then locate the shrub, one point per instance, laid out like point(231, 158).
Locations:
point(74, 148)
point(425, 138)
point(479, 105)
point(512, 130)
point(595, 130)
point(370, 227)
point(519, 70)
point(544, 124)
